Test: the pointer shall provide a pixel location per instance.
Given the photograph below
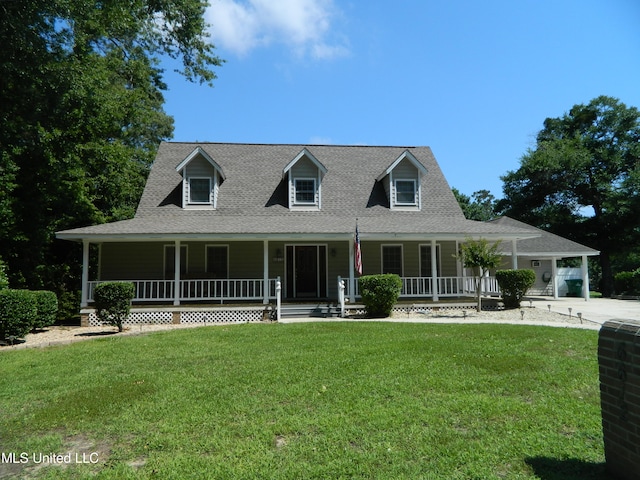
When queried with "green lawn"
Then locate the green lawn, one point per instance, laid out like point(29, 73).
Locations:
point(315, 400)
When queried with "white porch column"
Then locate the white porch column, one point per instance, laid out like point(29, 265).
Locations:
point(352, 273)
point(265, 271)
point(434, 270)
point(84, 298)
point(585, 278)
point(554, 276)
point(176, 274)
point(514, 254)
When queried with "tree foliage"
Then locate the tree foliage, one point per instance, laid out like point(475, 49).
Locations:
point(582, 180)
point(480, 206)
point(82, 116)
point(480, 256)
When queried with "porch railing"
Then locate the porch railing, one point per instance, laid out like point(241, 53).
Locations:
point(447, 286)
point(210, 289)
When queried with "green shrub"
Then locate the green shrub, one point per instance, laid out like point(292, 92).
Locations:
point(47, 308)
point(18, 313)
point(514, 285)
point(627, 283)
point(380, 293)
point(4, 278)
point(113, 302)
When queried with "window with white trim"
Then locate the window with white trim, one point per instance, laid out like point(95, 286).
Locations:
point(218, 261)
point(425, 260)
point(200, 190)
point(305, 191)
point(405, 192)
point(392, 259)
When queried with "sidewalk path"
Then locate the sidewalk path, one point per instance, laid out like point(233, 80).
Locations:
point(597, 310)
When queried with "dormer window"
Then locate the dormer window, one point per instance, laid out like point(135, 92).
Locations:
point(200, 190)
point(405, 191)
point(304, 176)
point(305, 191)
point(402, 180)
point(201, 179)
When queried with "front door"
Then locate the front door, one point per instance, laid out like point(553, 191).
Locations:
point(306, 271)
point(306, 258)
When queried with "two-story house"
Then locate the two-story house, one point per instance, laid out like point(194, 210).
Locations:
point(221, 222)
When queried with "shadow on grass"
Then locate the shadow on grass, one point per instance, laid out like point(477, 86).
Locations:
point(95, 334)
point(571, 469)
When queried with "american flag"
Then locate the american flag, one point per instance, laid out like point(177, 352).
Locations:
point(358, 252)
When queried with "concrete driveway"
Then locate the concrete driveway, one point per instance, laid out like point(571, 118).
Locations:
point(597, 310)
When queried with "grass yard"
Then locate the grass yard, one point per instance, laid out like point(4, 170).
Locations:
point(315, 400)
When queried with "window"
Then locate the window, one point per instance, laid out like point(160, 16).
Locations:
point(169, 260)
point(305, 191)
point(199, 190)
point(392, 259)
point(405, 192)
point(425, 260)
point(217, 261)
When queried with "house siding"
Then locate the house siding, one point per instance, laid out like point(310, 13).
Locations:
point(199, 167)
point(304, 168)
point(372, 257)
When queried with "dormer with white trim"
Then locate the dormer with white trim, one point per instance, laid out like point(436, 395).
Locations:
point(201, 180)
point(304, 176)
point(402, 182)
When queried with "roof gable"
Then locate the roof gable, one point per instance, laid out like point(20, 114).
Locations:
point(405, 155)
point(304, 153)
point(199, 152)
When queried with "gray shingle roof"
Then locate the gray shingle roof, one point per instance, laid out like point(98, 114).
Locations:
point(253, 198)
point(547, 243)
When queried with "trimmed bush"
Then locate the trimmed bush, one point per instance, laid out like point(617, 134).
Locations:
point(47, 308)
point(4, 279)
point(514, 285)
point(113, 302)
point(18, 313)
point(627, 283)
point(380, 293)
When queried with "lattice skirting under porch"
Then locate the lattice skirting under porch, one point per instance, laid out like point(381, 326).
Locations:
point(221, 316)
point(191, 317)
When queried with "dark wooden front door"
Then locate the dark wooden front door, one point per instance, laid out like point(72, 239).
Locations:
point(306, 271)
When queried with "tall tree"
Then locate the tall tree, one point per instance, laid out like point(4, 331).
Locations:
point(81, 112)
point(481, 206)
point(582, 180)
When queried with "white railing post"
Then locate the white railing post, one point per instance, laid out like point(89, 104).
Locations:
point(341, 288)
point(84, 296)
point(278, 298)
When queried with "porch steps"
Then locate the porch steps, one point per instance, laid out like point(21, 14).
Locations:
point(321, 310)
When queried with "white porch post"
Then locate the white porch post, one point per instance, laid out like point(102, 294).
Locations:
point(554, 276)
point(585, 278)
point(176, 274)
point(84, 298)
point(265, 271)
point(352, 273)
point(514, 254)
point(434, 271)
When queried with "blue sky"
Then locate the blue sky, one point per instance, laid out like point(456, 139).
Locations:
point(474, 80)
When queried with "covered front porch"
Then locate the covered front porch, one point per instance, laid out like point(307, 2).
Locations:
point(230, 270)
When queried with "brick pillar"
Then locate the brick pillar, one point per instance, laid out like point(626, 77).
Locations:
point(619, 363)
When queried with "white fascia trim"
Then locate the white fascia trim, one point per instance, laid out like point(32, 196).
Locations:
point(409, 156)
point(305, 153)
point(199, 151)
